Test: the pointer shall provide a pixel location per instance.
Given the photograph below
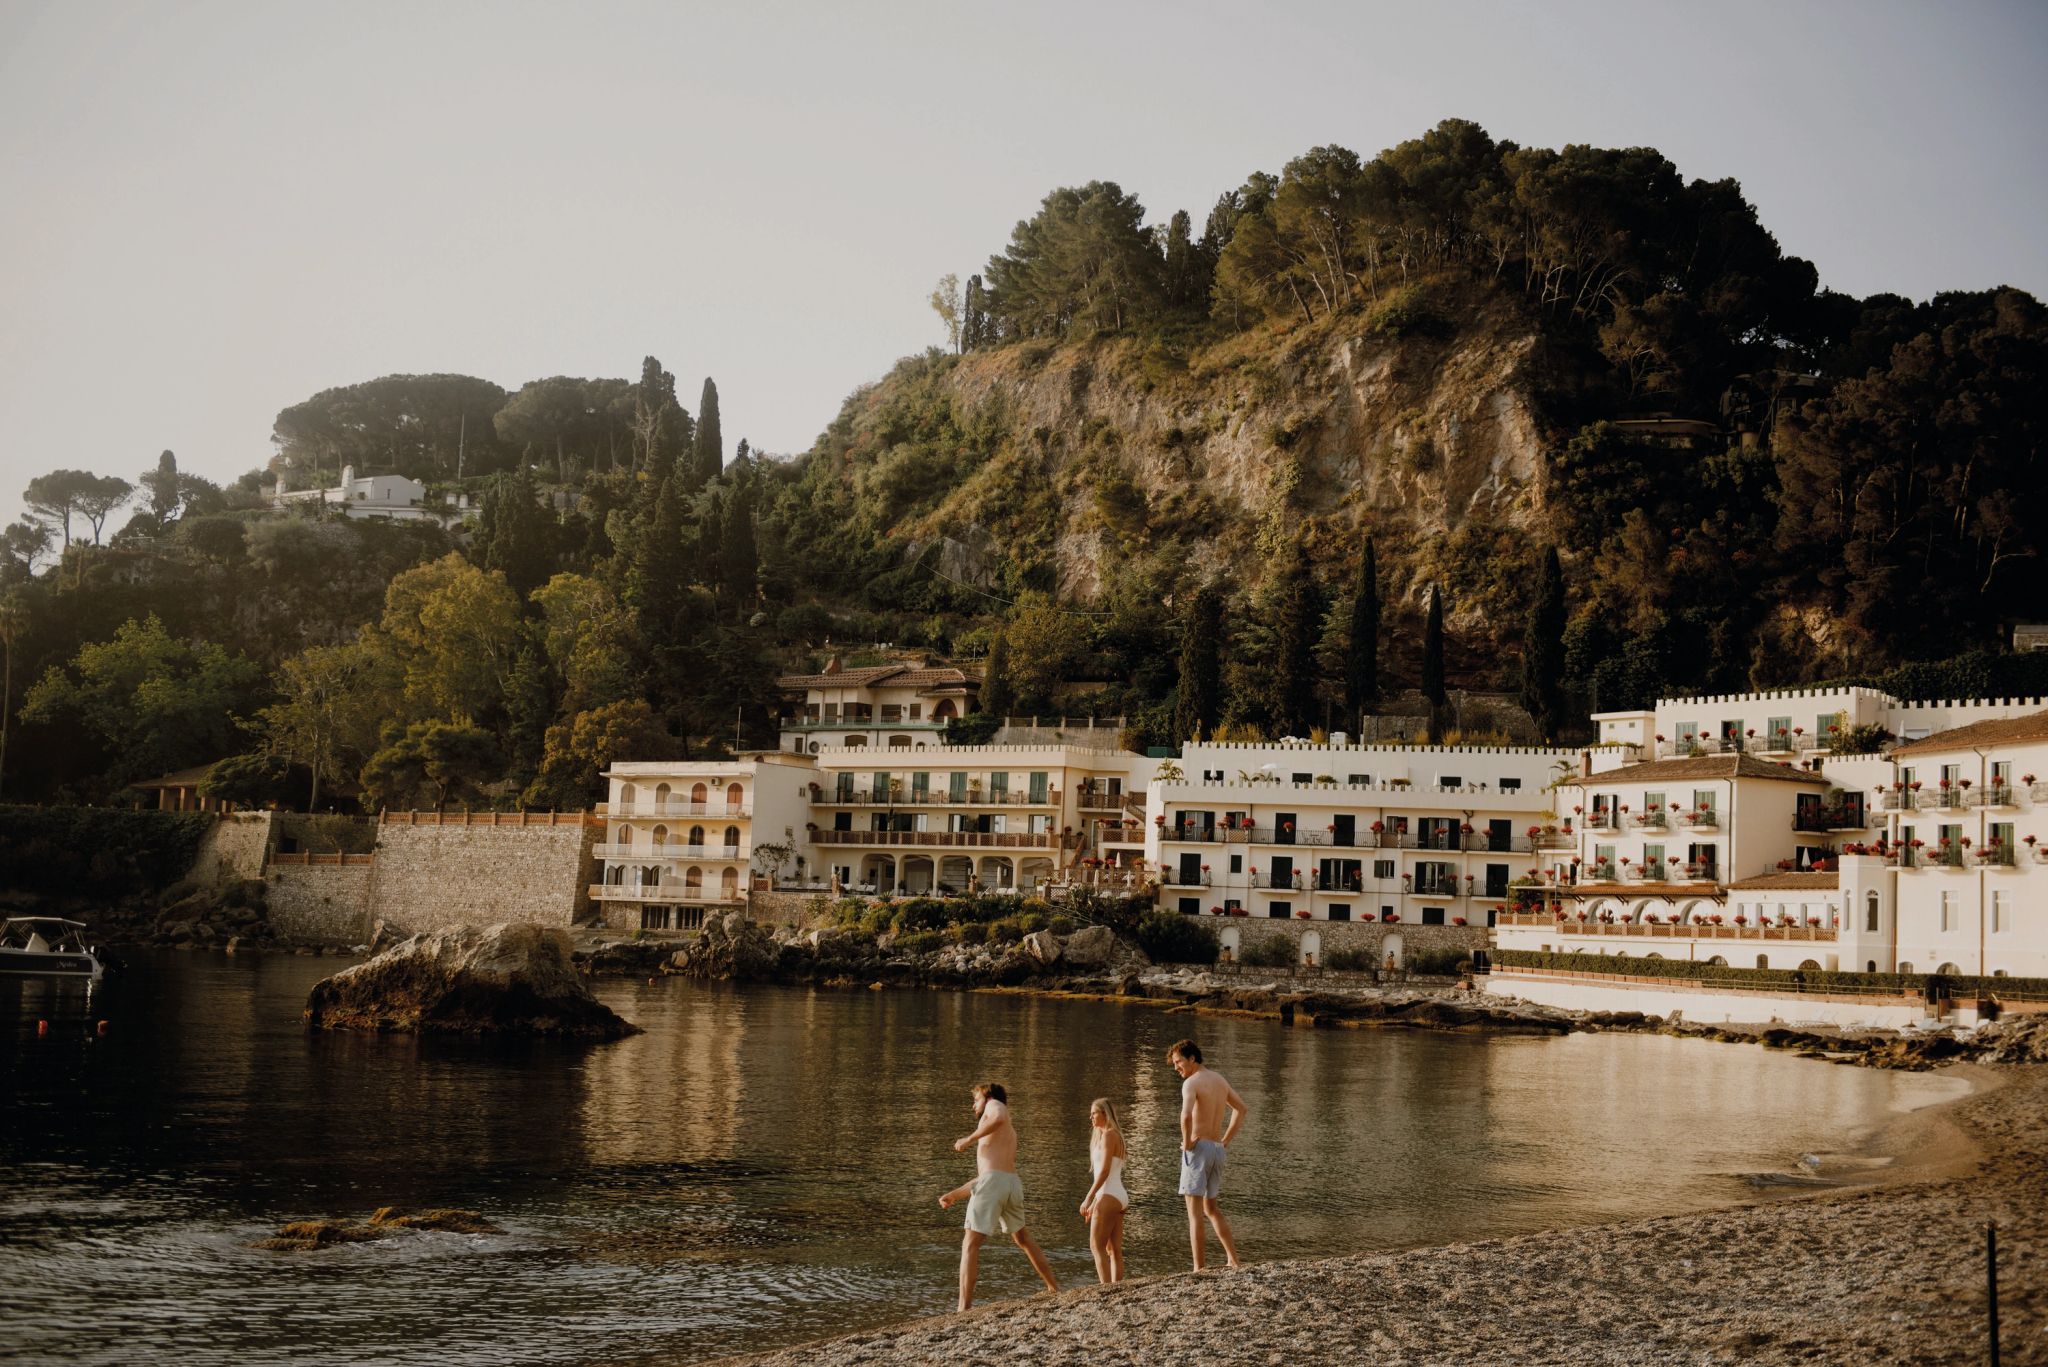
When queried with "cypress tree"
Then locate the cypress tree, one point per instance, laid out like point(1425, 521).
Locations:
point(710, 442)
point(998, 690)
point(1433, 662)
point(1362, 658)
point(711, 545)
point(1543, 650)
point(659, 575)
point(1199, 699)
point(1297, 617)
point(974, 330)
point(739, 556)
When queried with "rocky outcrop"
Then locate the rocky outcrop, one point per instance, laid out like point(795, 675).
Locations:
point(513, 979)
point(729, 948)
point(304, 1236)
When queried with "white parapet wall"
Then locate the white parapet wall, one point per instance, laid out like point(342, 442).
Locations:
point(1705, 1005)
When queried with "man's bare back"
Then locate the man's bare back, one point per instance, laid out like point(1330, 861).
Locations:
point(1211, 1104)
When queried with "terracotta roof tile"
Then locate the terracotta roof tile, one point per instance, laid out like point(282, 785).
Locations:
point(2004, 731)
point(1705, 767)
point(845, 678)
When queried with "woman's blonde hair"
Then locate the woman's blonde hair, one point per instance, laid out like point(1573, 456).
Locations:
point(1106, 1108)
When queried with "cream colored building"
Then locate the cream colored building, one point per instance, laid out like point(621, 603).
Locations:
point(885, 707)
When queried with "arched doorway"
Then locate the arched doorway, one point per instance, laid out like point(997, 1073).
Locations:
point(660, 836)
point(1311, 947)
point(945, 711)
point(729, 884)
point(693, 883)
point(696, 838)
point(1391, 948)
point(661, 796)
point(735, 796)
point(625, 797)
point(699, 794)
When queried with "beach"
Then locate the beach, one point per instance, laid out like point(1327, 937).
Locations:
point(1890, 1270)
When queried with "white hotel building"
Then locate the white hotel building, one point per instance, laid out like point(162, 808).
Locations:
point(1717, 829)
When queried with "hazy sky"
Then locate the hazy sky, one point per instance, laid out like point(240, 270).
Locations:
point(208, 211)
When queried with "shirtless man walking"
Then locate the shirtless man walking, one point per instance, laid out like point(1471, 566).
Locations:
point(1205, 1096)
point(995, 1199)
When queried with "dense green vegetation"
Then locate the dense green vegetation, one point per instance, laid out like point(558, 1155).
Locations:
point(96, 851)
point(1856, 500)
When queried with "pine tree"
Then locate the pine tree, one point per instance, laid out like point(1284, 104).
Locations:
point(1543, 650)
point(998, 691)
point(710, 461)
point(1433, 663)
point(654, 428)
point(1362, 654)
point(711, 544)
point(974, 329)
point(529, 707)
point(515, 534)
point(1297, 618)
point(1199, 701)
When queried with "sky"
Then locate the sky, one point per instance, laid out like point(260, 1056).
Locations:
point(210, 211)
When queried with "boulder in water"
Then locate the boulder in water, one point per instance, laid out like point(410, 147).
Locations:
point(513, 979)
point(1091, 947)
point(729, 947)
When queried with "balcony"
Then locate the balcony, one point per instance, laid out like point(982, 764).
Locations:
point(1101, 802)
point(1654, 930)
point(1439, 887)
point(859, 724)
point(1897, 802)
point(1173, 878)
point(714, 811)
point(1649, 821)
point(1603, 820)
point(666, 893)
point(959, 840)
point(1951, 799)
point(1996, 795)
point(1549, 840)
point(1119, 833)
point(1997, 857)
point(904, 797)
point(1701, 821)
point(664, 853)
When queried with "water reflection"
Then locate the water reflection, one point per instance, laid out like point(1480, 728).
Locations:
point(761, 1165)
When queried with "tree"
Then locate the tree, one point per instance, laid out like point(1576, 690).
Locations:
point(515, 532)
point(55, 497)
point(256, 780)
point(452, 630)
point(438, 758)
point(659, 575)
point(739, 555)
point(1362, 650)
point(1543, 650)
point(578, 751)
point(423, 426)
point(327, 711)
point(156, 702)
point(974, 325)
point(14, 624)
point(710, 439)
point(1297, 615)
point(1433, 663)
point(998, 691)
point(22, 543)
point(1085, 259)
point(589, 641)
point(655, 429)
point(1198, 702)
point(1041, 643)
point(98, 498)
point(945, 302)
point(164, 492)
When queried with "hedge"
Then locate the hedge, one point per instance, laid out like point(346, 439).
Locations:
point(97, 851)
point(1813, 980)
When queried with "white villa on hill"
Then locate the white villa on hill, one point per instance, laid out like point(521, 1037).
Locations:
point(898, 706)
point(395, 497)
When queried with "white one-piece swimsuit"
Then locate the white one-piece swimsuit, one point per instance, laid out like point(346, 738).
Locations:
point(1114, 1186)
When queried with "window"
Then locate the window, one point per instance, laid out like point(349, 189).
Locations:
point(1300, 778)
point(1280, 911)
point(2001, 913)
point(1511, 785)
point(1359, 780)
point(1449, 781)
point(1237, 863)
point(1948, 912)
point(1340, 911)
point(1383, 868)
point(1780, 731)
point(1870, 914)
point(1212, 776)
point(1432, 916)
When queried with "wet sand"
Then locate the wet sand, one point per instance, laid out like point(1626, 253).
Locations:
point(1890, 1270)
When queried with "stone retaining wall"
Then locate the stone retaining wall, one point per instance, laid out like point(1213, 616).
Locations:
point(324, 904)
point(776, 909)
point(434, 875)
point(235, 849)
point(1402, 940)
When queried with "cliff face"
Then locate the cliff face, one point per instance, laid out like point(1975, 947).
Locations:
point(1212, 461)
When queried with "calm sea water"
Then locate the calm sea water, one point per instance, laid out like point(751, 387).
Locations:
point(761, 1166)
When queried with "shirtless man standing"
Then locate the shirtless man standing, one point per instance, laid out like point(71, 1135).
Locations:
point(1204, 1098)
point(995, 1199)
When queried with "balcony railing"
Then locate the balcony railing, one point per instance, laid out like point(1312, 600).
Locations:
point(969, 840)
point(653, 853)
point(1996, 857)
point(1702, 821)
point(1897, 802)
point(1942, 799)
point(666, 892)
point(1439, 887)
point(1554, 840)
point(674, 808)
point(1651, 820)
point(1174, 878)
point(904, 797)
point(842, 723)
point(1695, 930)
point(1995, 795)
point(1119, 833)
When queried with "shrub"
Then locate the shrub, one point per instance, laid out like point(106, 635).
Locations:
point(1442, 962)
point(919, 941)
point(876, 920)
point(1061, 925)
point(1278, 952)
point(99, 851)
point(1036, 906)
point(1005, 932)
point(1171, 938)
point(921, 913)
point(1031, 922)
point(1352, 960)
point(971, 933)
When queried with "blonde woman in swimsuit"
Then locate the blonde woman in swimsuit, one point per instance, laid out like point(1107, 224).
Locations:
point(1107, 1200)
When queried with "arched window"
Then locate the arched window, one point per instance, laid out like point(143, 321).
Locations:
point(1870, 914)
point(1763, 961)
point(696, 837)
point(626, 796)
point(732, 837)
point(728, 883)
point(693, 881)
point(1948, 968)
point(660, 836)
point(699, 794)
point(1870, 966)
point(735, 795)
point(1906, 968)
point(661, 792)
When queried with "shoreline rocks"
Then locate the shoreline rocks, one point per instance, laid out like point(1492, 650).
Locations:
point(511, 979)
point(305, 1236)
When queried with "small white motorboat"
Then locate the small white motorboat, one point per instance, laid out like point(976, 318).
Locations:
point(47, 947)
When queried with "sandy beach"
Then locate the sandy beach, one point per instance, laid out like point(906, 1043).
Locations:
point(1888, 1271)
